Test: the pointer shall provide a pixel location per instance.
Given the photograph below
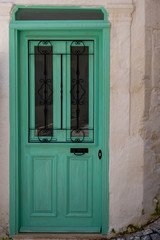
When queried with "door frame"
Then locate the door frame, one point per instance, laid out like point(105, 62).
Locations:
point(101, 30)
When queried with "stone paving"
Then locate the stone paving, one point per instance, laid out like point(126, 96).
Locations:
point(151, 232)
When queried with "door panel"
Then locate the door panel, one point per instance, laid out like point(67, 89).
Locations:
point(60, 190)
point(79, 176)
point(44, 186)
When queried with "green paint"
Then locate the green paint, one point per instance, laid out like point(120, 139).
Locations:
point(38, 170)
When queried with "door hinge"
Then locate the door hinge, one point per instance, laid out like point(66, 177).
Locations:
point(100, 154)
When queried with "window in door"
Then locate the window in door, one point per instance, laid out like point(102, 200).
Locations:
point(61, 95)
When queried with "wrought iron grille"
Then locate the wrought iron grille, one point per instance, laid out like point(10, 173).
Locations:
point(42, 129)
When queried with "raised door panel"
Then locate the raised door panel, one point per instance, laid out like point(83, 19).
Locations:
point(44, 186)
point(79, 186)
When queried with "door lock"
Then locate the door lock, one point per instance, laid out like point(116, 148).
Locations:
point(100, 154)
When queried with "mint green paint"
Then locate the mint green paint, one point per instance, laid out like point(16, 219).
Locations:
point(78, 182)
point(80, 218)
point(106, 101)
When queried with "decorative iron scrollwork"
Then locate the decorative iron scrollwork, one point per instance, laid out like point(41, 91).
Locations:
point(45, 132)
point(82, 92)
point(79, 132)
point(77, 135)
point(43, 47)
point(45, 92)
point(77, 43)
point(78, 92)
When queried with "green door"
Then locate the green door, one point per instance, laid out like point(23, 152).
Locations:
point(60, 112)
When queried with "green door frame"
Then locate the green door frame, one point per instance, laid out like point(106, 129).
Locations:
point(101, 29)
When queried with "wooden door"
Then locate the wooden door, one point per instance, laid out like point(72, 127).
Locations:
point(59, 107)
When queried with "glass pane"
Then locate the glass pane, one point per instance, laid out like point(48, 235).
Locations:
point(59, 14)
point(79, 91)
point(43, 90)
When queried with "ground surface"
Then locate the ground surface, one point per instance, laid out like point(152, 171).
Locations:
point(148, 232)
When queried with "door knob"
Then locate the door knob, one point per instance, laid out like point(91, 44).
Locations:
point(100, 154)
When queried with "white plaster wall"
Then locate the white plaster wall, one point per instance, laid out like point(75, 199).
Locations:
point(126, 119)
point(129, 81)
point(151, 129)
point(137, 104)
point(4, 124)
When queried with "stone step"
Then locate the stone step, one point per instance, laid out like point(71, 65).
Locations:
point(58, 236)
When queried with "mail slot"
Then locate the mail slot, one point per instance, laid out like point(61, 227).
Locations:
point(79, 150)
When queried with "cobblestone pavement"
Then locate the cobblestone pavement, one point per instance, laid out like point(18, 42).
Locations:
point(151, 232)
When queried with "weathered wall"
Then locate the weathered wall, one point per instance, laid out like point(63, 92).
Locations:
point(151, 130)
point(136, 157)
point(4, 121)
point(137, 103)
point(126, 146)
point(134, 161)
point(127, 105)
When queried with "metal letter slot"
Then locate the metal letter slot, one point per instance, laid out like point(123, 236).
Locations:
point(79, 151)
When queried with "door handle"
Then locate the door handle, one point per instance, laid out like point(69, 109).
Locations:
point(79, 151)
point(100, 154)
